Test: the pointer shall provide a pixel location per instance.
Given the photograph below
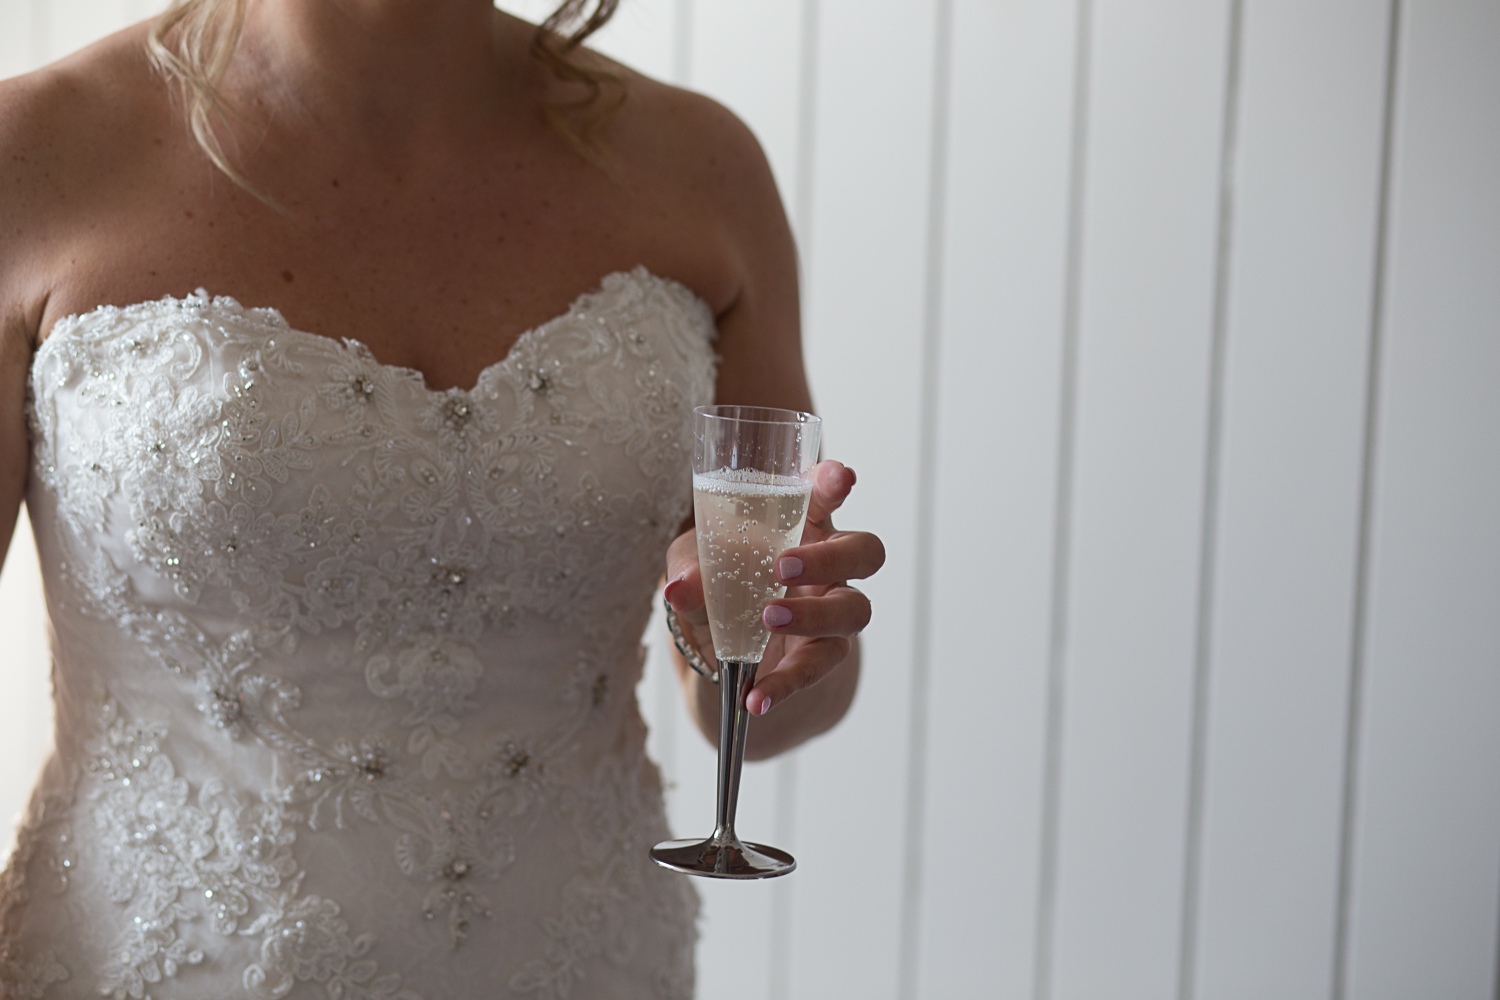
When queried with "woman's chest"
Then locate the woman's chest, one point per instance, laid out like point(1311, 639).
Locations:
point(225, 460)
point(439, 279)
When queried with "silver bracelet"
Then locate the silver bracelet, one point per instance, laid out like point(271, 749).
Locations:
point(684, 647)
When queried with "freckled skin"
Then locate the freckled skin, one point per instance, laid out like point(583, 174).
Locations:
point(423, 203)
point(381, 229)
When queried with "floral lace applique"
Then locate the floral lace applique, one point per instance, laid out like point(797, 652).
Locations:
point(45, 838)
point(168, 848)
point(616, 818)
point(294, 486)
point(310, 941)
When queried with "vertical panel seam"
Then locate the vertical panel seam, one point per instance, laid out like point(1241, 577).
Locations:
point(807, 128)
point(1355, 707)
point(682, 42)
point(1208, 541)
point(926, 508)
point(1046, 904)
point(783, 910)
point(782, 890)
point(667, 699)
point(40, 42)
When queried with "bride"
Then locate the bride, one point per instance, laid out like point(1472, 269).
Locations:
point(347, 350)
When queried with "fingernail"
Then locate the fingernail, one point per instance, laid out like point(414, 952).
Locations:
point(765, 705)
point(667, 590)
point(775, 615)
point(789, 567)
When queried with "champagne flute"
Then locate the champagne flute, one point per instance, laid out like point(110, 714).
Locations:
point(752, 480)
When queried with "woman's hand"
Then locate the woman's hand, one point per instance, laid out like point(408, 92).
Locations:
point(811, 627)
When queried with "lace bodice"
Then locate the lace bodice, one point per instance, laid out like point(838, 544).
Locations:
point(345, 665)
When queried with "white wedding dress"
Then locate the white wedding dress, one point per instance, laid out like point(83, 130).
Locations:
point(345, 666)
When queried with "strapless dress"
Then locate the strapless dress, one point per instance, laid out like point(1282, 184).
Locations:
point(344, 666)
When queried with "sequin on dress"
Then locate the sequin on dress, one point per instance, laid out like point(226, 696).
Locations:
point(345, 666)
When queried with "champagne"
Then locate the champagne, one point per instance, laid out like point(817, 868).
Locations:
point(745, 520)
point(752, 469)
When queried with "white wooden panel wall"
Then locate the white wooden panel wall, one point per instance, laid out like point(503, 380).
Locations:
point(1426, 804)
point(1298, 290)
point(1154, 121)
point(1165, 336)
point(865, 308)
point(1001, 323)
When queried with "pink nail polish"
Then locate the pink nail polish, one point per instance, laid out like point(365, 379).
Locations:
point(789, 567)
point(765, 705)
point(775, 615)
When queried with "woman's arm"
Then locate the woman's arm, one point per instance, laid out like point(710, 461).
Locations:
point(28, 177)
point(814, 654)
point(811, 667)
point(15, 361)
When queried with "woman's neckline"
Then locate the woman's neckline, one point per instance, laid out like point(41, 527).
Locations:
point(271, 318)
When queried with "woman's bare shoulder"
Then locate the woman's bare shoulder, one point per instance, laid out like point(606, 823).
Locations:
point(687, 151)
point(701, 154)
point(62, 131)
point(89, 100)
point(68, 132)
point(695, 144)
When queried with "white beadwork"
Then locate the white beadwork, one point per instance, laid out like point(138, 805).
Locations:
point(169, 848)
point(45, 840)
point(331, 564)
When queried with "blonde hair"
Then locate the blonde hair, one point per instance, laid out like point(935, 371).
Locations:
point(604, 87)
point(193, 41)
point(192, 44)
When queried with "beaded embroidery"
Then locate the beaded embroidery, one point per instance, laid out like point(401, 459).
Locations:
point(163, 842)
point(194, 435)
point(45, 840)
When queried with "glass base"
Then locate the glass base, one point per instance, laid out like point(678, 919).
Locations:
point(704, 857)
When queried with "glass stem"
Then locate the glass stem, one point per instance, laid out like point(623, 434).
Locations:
point(735, 681)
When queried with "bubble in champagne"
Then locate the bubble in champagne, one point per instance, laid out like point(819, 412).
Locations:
point(746, 518)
